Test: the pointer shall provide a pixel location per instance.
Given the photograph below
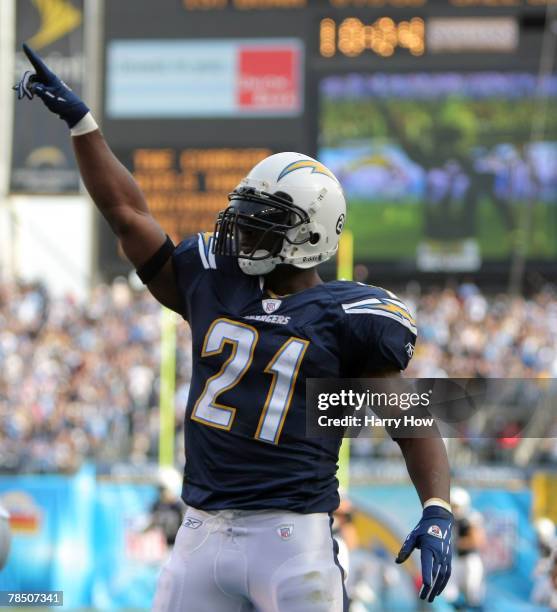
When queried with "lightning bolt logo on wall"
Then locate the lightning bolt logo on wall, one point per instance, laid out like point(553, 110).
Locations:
point(25, 513)
point(58, 17)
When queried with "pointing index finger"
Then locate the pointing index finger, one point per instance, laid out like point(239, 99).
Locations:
point(43, 73)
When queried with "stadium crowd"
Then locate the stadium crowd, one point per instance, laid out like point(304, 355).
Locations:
point(80, 380)
point(464, 333)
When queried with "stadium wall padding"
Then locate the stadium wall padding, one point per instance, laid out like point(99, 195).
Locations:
point(87, 537)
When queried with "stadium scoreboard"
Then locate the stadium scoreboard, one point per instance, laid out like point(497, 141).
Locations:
point(197, 91)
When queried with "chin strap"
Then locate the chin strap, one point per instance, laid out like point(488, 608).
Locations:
point(258, 267)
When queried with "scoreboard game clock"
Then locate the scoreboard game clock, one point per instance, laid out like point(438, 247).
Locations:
point(227, 81)
point(352, 36)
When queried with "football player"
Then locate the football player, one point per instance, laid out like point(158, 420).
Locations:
point(466, 588)
point(257, 532)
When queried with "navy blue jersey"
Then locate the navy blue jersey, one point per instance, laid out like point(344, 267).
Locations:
point(252, 352)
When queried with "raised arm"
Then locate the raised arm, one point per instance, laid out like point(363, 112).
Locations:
point(110, 185)
point(121, 202)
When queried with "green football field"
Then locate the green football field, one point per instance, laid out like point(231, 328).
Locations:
point(392, 231)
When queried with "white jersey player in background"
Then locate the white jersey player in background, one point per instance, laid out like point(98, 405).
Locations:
point(466, 586)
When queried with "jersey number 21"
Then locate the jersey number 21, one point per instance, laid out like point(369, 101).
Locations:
point(284, 367)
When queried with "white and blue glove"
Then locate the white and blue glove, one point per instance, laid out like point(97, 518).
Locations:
point(432, 535)
point(55, 94)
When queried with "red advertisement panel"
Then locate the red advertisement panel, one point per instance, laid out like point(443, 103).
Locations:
point(269, 79)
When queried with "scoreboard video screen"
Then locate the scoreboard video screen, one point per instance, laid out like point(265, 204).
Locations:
point(434, 115)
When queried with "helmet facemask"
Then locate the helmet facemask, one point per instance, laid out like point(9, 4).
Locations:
point(255, 226)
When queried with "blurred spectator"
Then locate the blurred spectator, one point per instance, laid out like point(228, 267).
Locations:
point(344, 532)
point(166, 514)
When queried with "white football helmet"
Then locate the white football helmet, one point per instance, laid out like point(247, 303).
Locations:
point(290, 209)
point(545, 530)
point(460, 501)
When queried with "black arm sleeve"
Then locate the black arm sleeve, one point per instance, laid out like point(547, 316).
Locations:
point(149, 270)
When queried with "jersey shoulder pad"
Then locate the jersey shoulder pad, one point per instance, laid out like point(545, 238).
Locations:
point(198, 247)
point(196, 252)
point(360, 299)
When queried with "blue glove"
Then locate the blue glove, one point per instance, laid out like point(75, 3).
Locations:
point(432, 535)
point(56, 95)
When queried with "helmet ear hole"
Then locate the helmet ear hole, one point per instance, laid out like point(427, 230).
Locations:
point(284, 196)
point(314, 238)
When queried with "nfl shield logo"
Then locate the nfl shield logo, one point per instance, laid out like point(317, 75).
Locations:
point(285, 531)
point(269, 306)
point(435, 530)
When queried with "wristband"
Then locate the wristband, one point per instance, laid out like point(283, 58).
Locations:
point(85, 125)
point(437, 501)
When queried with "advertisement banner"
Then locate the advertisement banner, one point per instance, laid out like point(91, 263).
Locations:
point(208, 78)
point(83, 537)
point(128, 557)
point(51, 519)
point(42, 157)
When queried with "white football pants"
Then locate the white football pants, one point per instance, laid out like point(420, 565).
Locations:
point(467, 579)
point(252, 561)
